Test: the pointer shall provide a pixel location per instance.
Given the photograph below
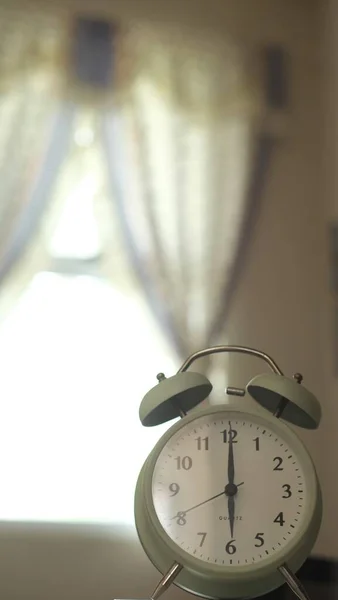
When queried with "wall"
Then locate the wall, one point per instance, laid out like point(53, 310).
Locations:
point(283, 305)
point(327, 449)
point(284, 287)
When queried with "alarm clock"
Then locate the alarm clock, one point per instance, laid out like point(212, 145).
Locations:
point(228, 503)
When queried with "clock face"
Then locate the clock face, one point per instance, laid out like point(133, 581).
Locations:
point(229, 490)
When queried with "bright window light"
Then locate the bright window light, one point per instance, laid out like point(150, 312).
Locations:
point(77, 234)
point(77, 356)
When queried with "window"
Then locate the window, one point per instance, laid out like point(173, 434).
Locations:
point(78, 351)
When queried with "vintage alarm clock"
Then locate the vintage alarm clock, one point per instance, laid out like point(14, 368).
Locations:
point(228, 504)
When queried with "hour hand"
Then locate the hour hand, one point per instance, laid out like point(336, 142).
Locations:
point(231, 513)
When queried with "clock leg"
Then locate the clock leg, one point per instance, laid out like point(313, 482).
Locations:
point(294, 584)
point(166, 581)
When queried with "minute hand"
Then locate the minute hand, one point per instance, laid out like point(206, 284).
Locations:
point(184, 512)
point(200, 504)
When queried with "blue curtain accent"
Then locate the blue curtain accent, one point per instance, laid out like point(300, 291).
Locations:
point(276, 92)
point(117, 164)
point(91, 60)
point(33, 210)
point(260, 169)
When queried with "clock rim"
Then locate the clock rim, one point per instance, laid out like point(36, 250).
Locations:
point(294, 553)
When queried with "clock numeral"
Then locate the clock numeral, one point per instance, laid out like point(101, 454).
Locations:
point(203, 536)
point(256, 440)
point(202, 443)
point(279, 519)
point(230, 548)
point(180, 518)
point(174, 488)
point(229, 436)
point(279, 461)
point(183, 463)
point(260, 540)
point(287, 488)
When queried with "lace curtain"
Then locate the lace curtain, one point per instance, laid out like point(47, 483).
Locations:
point(34, 131)
point(160, 139)
point(186, 143)
point(182, 122)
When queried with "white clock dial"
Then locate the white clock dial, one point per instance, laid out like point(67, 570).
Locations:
point(255, 516)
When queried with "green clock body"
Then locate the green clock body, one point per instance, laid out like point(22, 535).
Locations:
point(182, 502)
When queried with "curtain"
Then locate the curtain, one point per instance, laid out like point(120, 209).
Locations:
point(182, 125)
point(189, 149)
point(187, 138)
point(34, 130)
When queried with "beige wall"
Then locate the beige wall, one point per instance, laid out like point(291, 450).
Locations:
point(281, 305)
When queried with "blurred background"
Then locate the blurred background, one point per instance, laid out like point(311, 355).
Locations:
point(168, 180)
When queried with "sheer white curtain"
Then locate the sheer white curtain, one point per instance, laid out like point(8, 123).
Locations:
point(33, 136)
point(83, 343)
point(181, 140)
